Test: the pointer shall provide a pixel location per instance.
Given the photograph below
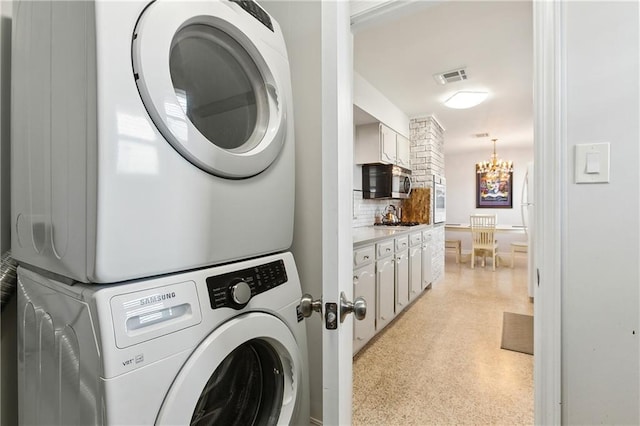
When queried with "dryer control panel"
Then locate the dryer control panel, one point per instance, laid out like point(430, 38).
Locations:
point(256, 11)
point(235, 289)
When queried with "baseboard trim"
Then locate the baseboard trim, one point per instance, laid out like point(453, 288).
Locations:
point(315, 421)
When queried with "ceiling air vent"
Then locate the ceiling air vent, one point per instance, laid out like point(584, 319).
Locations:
point(481, 135)
point(451, 76)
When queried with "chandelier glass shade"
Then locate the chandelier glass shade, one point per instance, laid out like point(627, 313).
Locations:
point(494, 168)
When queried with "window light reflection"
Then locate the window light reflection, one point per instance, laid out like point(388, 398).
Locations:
point(136, 127)
point(137, 158)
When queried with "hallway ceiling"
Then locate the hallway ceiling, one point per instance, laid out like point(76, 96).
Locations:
point(494, 42)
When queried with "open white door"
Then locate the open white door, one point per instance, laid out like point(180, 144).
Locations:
point(337, 175)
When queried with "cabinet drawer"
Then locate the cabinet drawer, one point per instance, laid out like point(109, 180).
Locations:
point(363, 255)
point(415, 239)
point(426, 236)
point(385, 248)
point(402, 243)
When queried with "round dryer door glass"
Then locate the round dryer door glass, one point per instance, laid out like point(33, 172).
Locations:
point(216, 85)
point(246, 389)
point(219, 87)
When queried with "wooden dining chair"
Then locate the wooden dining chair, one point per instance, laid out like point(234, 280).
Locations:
point(483, 228)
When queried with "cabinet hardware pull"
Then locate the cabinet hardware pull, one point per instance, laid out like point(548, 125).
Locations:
point(366, 257)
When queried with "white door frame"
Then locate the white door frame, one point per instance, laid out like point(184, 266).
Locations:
point(550, 187)
point(550, 184)
point(337, 188)
point(550, 209)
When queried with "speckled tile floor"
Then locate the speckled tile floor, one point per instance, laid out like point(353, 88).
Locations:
point(440, 362)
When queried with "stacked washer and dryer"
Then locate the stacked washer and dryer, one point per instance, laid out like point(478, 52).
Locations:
point(152, 207)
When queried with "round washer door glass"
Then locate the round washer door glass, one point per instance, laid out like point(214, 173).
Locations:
point(248, 371)
point(246, 389)
point(215, 94)
point(219, 87)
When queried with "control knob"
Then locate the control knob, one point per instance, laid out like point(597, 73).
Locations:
point(240, 293)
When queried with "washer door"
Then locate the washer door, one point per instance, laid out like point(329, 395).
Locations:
point(210, 84)
point(247, 372)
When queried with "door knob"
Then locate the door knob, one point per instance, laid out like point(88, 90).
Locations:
point(308, 305)
point(358, 307)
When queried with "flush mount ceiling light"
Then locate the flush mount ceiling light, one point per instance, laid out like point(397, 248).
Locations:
point(464, 100)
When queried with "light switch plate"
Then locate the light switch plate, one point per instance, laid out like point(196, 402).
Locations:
point(586, 170)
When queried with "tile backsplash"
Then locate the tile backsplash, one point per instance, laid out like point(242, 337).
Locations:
point(364, 211)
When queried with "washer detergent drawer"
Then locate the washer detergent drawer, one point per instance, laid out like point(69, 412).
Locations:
point(148, 314)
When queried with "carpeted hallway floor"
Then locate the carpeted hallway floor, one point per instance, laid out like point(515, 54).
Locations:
point(440, 362)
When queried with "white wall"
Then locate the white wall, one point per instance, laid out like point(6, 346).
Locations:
point(461, 184)
point(300, 23)
point(8, 378)
point(374, 102)
point(600, 294)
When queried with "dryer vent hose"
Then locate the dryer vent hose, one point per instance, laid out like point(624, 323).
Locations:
point(8, 278)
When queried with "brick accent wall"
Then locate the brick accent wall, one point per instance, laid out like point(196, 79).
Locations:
point(427, 159)
point(427, 150)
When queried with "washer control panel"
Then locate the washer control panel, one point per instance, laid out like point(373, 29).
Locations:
point(235, 289)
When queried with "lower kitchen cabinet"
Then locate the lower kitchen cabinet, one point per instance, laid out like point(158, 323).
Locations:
point(402, 279)
point(415, 265)
point(427, 269)
point(415, 272)
point(364, 285)
point(389, 275)
point(385, 291)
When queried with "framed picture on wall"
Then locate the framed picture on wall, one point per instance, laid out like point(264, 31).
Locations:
point(494, 190)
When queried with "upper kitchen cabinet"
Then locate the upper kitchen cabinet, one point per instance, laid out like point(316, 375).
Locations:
point(377, 143)
point(402, 151)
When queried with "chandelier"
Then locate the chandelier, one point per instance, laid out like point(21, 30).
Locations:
point(494, 168)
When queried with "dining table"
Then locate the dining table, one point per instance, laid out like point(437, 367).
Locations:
point(499, 228)
point(465, 227)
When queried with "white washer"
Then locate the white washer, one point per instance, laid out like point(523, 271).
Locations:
point(224, 345)
point(149, 137)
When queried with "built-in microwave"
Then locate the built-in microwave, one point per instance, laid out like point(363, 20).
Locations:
point(439, 199)
point(385, 181)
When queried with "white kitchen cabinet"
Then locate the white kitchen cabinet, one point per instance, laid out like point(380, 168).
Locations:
point(385, 285)
point(402, 279)
point(364, 285)
point(402, 272)
point(389, 273)
point(402, 151)
point(387, 145)
point(427, 268)
point(415, 265)
point(377, 143)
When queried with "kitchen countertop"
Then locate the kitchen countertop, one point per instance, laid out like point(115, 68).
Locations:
point(364, 235)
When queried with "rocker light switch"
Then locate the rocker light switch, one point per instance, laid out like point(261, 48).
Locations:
point(592, 163)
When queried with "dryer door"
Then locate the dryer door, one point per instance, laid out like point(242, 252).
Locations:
point(247, 372)
point(211, 81)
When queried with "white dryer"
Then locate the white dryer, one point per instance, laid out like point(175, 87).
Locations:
point(218, 346)
point(149, 137)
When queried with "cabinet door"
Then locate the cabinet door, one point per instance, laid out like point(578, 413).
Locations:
point(364, 285)
point(427, 272)
point(402, 280)
point(385, 287)
point(415, 272)
point(387, 145)
point(402, 151)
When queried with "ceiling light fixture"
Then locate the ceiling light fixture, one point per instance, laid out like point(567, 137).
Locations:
point(464, 100)
point(494, 168)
